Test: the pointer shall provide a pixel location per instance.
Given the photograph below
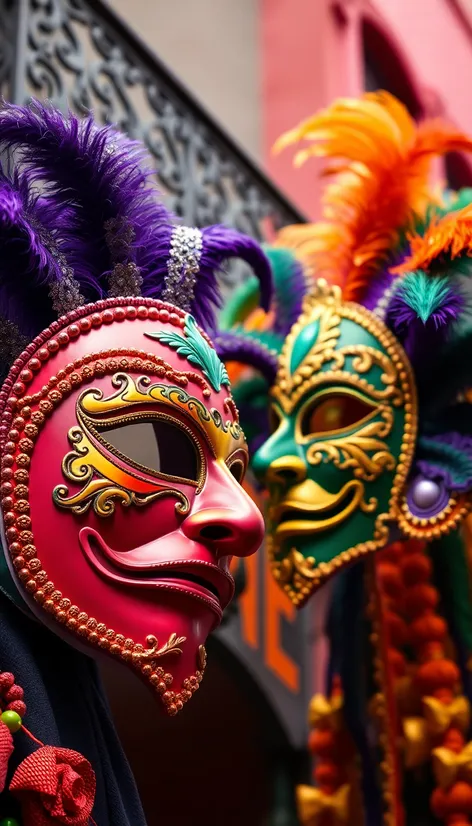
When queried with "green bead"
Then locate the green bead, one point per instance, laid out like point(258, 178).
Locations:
point(9, 821)
point(12, 721)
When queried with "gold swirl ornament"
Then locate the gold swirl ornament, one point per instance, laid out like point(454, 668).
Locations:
point(308, 508)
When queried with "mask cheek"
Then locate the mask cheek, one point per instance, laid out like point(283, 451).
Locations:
point(224, 516)
point(136, 526)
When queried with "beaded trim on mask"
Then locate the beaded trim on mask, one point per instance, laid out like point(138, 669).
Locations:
point(185, 252)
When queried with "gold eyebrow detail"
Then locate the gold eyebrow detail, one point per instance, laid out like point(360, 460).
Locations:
point(223, 436)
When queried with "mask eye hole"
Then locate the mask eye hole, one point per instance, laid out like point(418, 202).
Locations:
point(237, 465)
point(157, 446)
point(237, 470)
point(334, 412)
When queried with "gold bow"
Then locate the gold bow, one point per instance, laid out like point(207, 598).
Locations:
point(312, 804)
point(448, 766)
point(417, 742)
point(439, 716)
point(325, 712)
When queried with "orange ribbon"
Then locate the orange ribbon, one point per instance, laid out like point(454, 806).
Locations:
point(448, 766)
point(312, 804)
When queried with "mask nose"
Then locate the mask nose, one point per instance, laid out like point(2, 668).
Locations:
point(286, 471)
point(226, 521)
point(227, 531)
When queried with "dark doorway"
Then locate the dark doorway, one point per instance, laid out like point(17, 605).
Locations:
point(384, 69)
point(210, 765)
point(458, 171)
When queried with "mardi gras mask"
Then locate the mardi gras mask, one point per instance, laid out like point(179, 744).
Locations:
point(121, 452)
point(370, 435)
point(344, 423)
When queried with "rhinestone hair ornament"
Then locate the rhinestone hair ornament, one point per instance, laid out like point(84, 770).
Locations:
point(183, 265)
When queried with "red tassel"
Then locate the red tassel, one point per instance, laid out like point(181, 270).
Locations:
point(6, 749)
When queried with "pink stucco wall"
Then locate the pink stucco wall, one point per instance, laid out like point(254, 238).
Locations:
point(312, 52)
point(438, 43)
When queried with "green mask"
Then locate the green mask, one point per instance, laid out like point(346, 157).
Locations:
point(344, 430)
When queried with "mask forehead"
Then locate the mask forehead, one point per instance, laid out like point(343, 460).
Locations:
point(345, 405)
point(332, 341)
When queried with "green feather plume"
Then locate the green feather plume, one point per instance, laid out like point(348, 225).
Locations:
point(242, 303)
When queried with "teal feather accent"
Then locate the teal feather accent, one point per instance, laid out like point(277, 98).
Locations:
point(424, 294)
point(242, 303)
point(197, 351)
point(289, 286)
point(270, 340)
point(453, 460)
point(289, 289)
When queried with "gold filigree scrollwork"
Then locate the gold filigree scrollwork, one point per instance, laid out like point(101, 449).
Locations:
point(323, 348)
point(103, 495)
point(352, 451)
point(144, 392)
point(296, 563)
point(99, 477)
point(149, 655)
point(364, 358)
point(108, 477)
point(325, 307)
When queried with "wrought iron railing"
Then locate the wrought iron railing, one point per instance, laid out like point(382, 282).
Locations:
point(79, 54)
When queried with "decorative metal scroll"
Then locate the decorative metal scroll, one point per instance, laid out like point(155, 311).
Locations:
point(78, 54)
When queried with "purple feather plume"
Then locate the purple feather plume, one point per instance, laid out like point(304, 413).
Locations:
point(431, 300)
point(220, 244)
point(80, 201)
point(26, 264)
point(95, 174)
point(421, 312)
point(247, 351)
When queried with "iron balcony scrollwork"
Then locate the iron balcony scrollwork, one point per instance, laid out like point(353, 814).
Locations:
point(79, 54)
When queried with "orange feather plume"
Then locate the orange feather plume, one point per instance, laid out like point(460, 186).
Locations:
point(451, 236)
point(380, 184)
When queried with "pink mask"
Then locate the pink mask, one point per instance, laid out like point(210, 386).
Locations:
point(122, 459)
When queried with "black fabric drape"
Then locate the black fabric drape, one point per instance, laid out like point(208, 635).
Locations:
point(66, 707)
